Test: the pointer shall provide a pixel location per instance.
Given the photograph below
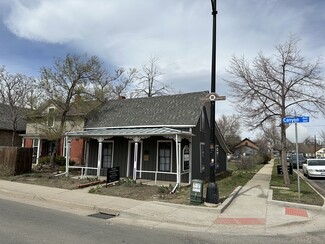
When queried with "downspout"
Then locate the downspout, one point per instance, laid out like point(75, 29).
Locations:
point(174, 189)
point(67, 155)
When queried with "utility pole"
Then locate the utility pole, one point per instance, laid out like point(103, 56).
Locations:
point(212, 195)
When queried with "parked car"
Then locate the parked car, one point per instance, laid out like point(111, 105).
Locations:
point(301, 160)
point(314, 168)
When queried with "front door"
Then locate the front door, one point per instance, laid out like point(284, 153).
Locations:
point(132, 159)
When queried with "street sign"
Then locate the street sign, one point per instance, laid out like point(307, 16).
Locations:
point(298, 119)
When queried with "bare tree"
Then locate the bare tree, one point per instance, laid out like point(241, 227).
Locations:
point(230, 129)
point(322, 137)
point(14, 91)
point(65, 83)
point(123, 81)
point(149, 85)
point(276, 87)
point(108, 86)
point(271, 133)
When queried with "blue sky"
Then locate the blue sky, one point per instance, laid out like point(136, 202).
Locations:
point(125, 33)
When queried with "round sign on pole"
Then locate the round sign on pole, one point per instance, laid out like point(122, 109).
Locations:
point(301, 133)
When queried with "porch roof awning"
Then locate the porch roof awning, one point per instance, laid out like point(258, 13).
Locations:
point(163, 131)
point(32, 135)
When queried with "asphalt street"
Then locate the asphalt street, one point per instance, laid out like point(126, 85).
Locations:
point(23, 223)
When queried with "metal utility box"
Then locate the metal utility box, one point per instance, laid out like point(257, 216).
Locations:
point(197, 192)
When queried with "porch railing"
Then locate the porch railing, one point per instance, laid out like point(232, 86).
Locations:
point(159, 172)
point(83, 169)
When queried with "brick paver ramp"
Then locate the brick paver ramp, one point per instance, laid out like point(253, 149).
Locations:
point(240, 221)
point(296, 212)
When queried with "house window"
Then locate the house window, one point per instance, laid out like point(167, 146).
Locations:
point(35, 147)
point(186, 158)
point(164, 156)
point(107, 155)
point(202, 157)
point(50, 119)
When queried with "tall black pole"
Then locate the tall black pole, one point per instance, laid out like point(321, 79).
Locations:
point(212, 195)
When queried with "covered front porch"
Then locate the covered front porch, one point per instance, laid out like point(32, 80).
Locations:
point(153, 154)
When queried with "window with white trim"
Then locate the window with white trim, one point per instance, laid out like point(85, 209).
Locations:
point(35, 149)
point(35, 146)
point(164, 156)
point(186, 158)
point(107, 154)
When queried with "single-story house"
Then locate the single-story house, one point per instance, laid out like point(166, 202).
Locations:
point(246, 148)
point(163, 138)
point(6, 127)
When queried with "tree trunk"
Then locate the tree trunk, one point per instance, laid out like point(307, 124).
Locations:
point(54, 152)
point(284, 156)
point(57, 142)
point(14, 131)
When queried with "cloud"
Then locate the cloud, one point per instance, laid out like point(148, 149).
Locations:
point(127, 32)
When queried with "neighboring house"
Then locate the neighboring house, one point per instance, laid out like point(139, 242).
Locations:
point(320, 153)
point(42, 128)
point(157, 138)
point(6, 127)
point(246, 148)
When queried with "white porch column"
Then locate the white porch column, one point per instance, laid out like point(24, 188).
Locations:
point(86, 156)
point(67, 155)
point(38, 149)
point(23, 142)
point(135, 158)
point(178, 161)
point(100, 151)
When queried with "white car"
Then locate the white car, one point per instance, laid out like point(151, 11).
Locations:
point(314, 168)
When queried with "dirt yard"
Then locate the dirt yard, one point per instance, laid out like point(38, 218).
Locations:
point(126, 188)
point(129, 189)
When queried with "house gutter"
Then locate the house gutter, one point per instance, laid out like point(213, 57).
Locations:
point(140, 126)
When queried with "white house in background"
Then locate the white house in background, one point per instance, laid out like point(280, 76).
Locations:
point(320, 153)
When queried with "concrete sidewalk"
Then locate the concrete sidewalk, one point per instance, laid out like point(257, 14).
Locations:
point(251, 210)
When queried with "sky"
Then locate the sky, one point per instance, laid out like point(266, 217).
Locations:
point(126, 33)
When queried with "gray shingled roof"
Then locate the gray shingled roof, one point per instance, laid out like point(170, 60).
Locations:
point(128, 132)
point(5, 119)
point(180, 109)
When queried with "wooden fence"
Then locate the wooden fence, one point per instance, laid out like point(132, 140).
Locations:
point(15, 160)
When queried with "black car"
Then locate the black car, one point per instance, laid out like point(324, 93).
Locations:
point(301, 160)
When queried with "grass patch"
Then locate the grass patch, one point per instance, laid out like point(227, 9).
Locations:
point(237, 177)
point(307, 194)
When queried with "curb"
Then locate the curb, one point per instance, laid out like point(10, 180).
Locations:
point(24, 196)
point(229, 200)
point(291, 204)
